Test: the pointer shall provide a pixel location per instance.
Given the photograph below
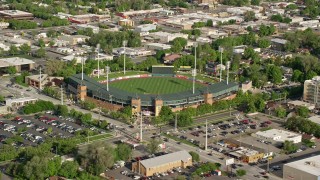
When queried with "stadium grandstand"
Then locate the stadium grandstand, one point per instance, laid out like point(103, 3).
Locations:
point(91, 89)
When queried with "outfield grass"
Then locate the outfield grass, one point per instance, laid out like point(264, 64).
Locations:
point(154, 85)
point(200, 77)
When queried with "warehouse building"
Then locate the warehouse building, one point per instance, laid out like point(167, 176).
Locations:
point(21, 64)
point(308, 169)
point(15, 14)
point(163, 163)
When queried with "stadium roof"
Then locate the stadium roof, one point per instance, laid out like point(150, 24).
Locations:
point(100, 90)
point(166, 159)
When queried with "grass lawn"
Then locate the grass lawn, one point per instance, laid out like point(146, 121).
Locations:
point(120, 74)
point(99, 136)
point(154, 85)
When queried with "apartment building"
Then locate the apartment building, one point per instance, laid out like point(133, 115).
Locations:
point(311, 90)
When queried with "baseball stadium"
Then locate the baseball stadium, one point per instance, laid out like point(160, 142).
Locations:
point(149, 92)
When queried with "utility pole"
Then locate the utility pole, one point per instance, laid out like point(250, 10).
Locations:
point(124, 43)
point(176, 124)
point(40, 80)
point(61, 90)
point(268, 165)
point(98, 50)
point(141, 128)
point(221, 51)
point(206, 145)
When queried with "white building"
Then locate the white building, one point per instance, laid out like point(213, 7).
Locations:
point(307, 169)
point(166, 37)
point(15, 104)
point(145, 28)
point(279, 136)
point(157, 46)
point(131, 51)
point(311, 90)
point(315, 119)
point(4, 25)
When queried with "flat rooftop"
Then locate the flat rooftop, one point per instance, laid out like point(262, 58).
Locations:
point(15, 13)
point(284, 135)
point(166, 159)
point(15, 61)
point(315, 119)
point(309, 165)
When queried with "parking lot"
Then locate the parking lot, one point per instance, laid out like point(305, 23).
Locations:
point(34, 130)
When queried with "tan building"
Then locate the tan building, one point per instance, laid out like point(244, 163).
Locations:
point(21, 64)
point(247, 155)
point(15, 14)
point(126, 22)
point(163, 163)
point(15, 104)
point(311, 90)
point(308, 169)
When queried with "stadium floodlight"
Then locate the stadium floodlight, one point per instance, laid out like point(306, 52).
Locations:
point(82, 68)
point(107, 71)
point(195, 45)
point(194, 74)
point(124, 43)
point(40, 80)
point(228, 66)
point(98, 50)
point(221, 51)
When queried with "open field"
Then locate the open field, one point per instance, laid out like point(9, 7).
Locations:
point(155, 85)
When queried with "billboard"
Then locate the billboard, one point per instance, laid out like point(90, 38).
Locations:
point(229, 161)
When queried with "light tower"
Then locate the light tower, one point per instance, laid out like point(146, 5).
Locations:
point(108, 70)
point(176, 124)
point(82, 69)
point(98, 50)
point(194, 71)
point(124, 43)
point(141, 128)
point(228, 66)
point(40, 79)
point(221, 51)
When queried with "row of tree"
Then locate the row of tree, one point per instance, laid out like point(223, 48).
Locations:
point(300, 124)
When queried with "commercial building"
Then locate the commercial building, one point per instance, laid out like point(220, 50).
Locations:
point(131, 51)
point(145, 28)
point(4, 25)
point(315, 119)
point(166, 37)
point(95, 29)
point(21, 64)
point(311, 90)
point(247, 155)
point(157, 46)
point(163, 163)
point(308, 169)
point(296, 103)
point(15, 104)
point(75, 39)
point(46, 80)
point(15, 14)
point(279, 136)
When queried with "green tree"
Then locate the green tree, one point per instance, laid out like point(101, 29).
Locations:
point(303, 111)
point(124, 152)
point(11, 70)
point(69, 169)
point(249, 53)
point(2, 98)
point(297, 76)
point(255, 2)
point(184, 119)
point(166, 114)
point(41, 43)
point(86, 118)
point(96, 157)
point(289, 147)
point(249, 16)
point(241, 172)
point(264, 43)
point(195, 156)
point(281, 112)
point(40, 53)
point(62, 110)
point(13, 50)
point(25, 49)
point(153, 146)
point(35, 168)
